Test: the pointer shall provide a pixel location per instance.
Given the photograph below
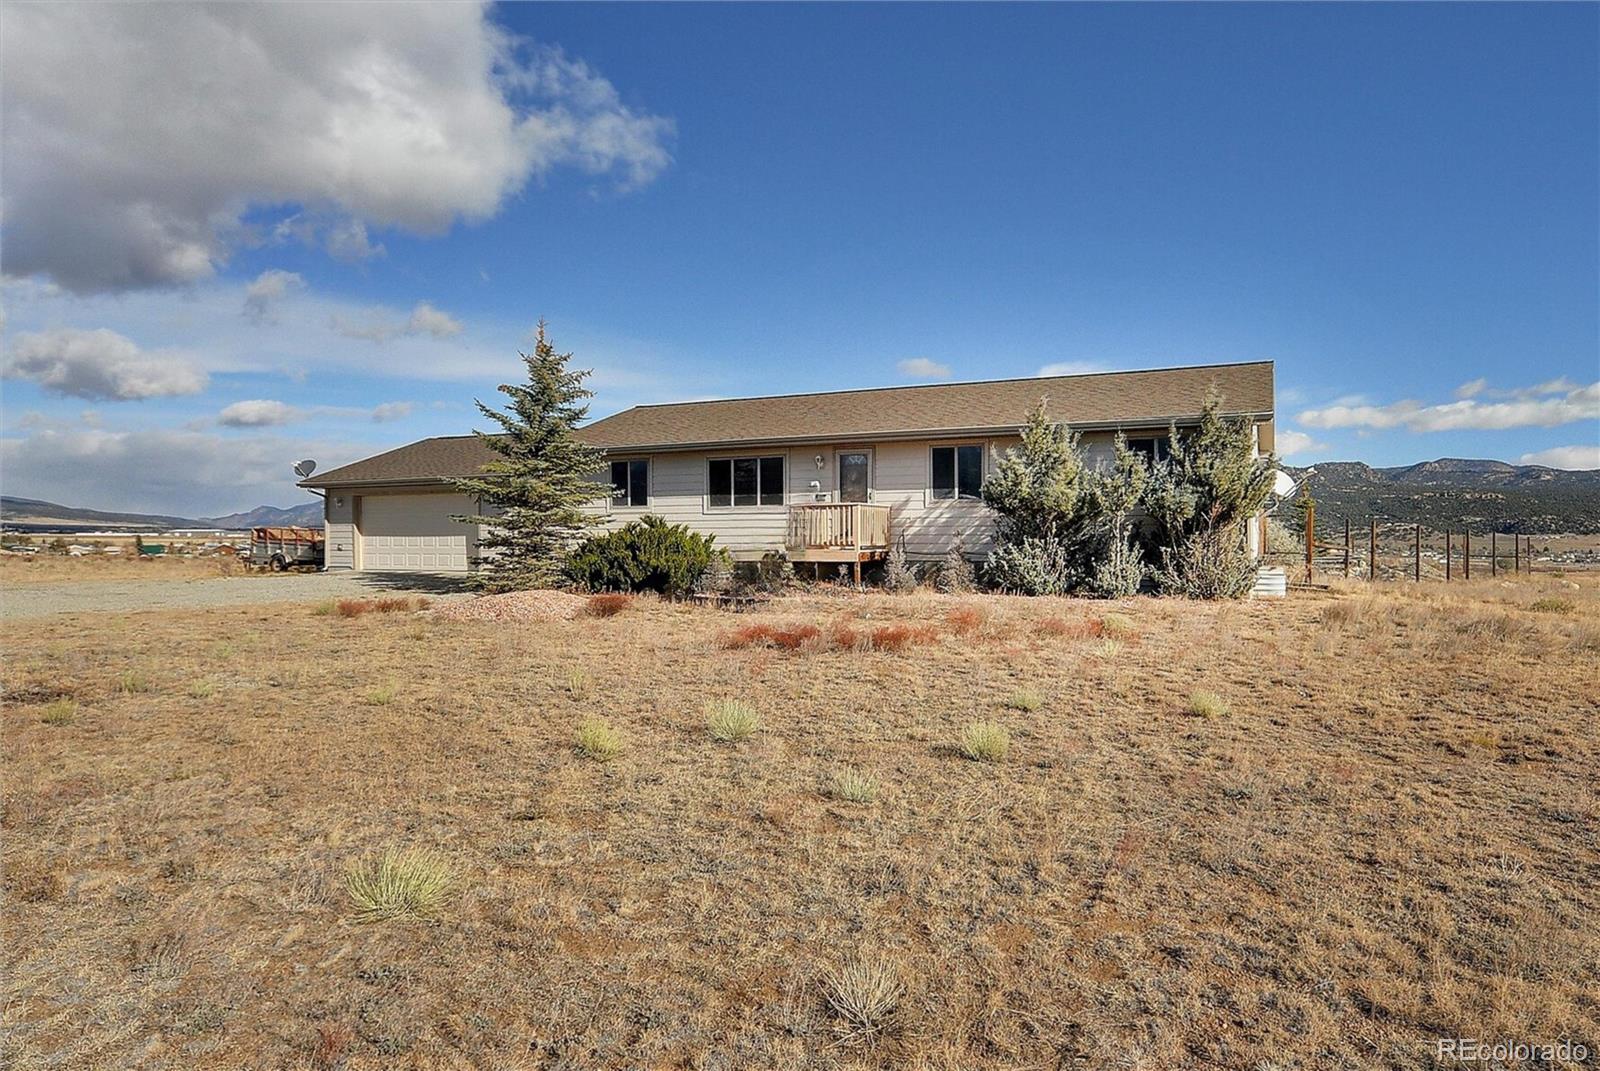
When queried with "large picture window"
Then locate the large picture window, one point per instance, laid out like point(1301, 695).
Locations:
point(744, 481)
point(957, 471)
point(630, 482)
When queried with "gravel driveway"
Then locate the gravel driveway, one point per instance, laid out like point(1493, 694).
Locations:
point(125, 596)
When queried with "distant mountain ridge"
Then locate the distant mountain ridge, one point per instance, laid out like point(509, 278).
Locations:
point(36, 513)
point(1458, 493)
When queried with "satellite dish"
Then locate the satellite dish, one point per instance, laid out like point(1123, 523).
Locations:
point(305, 468)
point(1282, 484)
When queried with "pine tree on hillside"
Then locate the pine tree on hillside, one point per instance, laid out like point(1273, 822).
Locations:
point(542, 479)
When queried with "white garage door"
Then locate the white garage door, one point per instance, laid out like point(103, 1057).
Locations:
point(414, 533)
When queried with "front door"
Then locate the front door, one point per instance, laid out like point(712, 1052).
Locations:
point(853, 466)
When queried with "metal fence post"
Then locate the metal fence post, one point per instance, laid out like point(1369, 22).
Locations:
point(1466, 555)
point(1347, 548)
point(1372, 549)
point(1416, 560)
point(1311, 536)
point(1447, 555)
point(1494, 565)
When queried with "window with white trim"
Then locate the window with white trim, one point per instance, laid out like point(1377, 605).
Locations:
point(1153, 448)
point(630, 483)
point(957, 472)
point(744, 481)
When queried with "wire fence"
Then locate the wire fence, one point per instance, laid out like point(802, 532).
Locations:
point(1373, 549)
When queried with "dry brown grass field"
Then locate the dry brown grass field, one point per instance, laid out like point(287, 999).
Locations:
point(31, 570)
point(1313, 833)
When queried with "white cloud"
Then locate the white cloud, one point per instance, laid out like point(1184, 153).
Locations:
point(257, 413)
point(384, 413)
point(923, 368)
point(269, 288)
point(1584, 457)
point(348, 243)
point(187, 473)
point(427, 320)
point(1071, 368)
point(1472, 388)
point(1290, 443)
point(99, 365)
point(380, 326)
point(1544, 406)
point(200, 122)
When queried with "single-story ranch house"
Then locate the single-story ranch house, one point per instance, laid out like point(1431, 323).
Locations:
point(831, 477)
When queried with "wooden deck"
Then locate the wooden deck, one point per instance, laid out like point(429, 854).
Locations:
point(837, 532)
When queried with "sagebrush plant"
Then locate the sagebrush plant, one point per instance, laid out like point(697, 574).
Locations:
point(731, 720)
point(599, 741)
point(59, 712)
point(853, 786)
point(1025, 699)
point(1204, 704)
point(382, 695)
point(412, 883)
point(985, 741)
point(1552, 606)
point(864, 993)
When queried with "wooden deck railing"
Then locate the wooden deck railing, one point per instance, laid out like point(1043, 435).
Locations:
point(838, 526)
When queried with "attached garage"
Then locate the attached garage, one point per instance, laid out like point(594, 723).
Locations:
point(414, 533)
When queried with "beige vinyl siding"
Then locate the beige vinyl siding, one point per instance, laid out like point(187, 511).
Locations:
point(339, 521)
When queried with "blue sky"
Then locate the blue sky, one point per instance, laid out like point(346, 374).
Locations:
point(346, 235)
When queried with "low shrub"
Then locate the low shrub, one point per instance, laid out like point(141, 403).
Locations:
point(1207, 705)
point(1032, 565)
point(1025, 699)
point(955, 575)
point(202, 689)
point(985, 741)
point(578, 683)
point(389, 604)
point(864, 994)
point(644, 555)
point(325, 608)
point(353, 607)
point(381, 696)
point(773, 574)
point(599, 741)
point(1552, 606)
point(898, 576)
point(606, 605)
point(731, 720)
point(413, 883)
point(853, 786)
point(59, 712)
point(1207, 565)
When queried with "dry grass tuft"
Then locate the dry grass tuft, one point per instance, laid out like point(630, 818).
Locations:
point(1058, 628)
point(864, 993)
point(133, 682)
point(1203, 704)
point(853, 786)
point(1024, 699)
point(788, 639)
point(413, 883)
point(985, 741)
point(599, 741)
point(59, 712)
point(382, 695)
point(202, 689)
point(1119, 627)
point(609, 604)
point(1552, 606)
point(731, 720)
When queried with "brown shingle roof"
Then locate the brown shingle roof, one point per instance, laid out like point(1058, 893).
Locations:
point(1103, 399)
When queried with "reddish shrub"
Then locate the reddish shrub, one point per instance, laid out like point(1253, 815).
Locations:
point(1071, 630)
point(392, 604)
point(606, 605)
point(353, 607)
point(966, 620)
point(899, 637)
point(845, 637)
point(789, 639)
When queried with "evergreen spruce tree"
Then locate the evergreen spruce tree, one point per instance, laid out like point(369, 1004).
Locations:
point(542, 479)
